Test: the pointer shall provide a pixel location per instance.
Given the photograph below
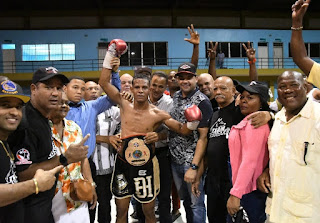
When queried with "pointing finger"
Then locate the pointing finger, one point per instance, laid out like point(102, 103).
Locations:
point(56, 169)
point(85, 139)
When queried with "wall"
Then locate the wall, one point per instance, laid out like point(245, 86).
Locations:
point(86, 40)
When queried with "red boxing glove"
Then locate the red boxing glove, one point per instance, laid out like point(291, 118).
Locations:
point(193, 115)
point(116, 48)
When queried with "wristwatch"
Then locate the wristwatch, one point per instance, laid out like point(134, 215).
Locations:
point(194, 166)
point(63, 160)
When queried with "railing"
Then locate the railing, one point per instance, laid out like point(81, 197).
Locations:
point(172, 63)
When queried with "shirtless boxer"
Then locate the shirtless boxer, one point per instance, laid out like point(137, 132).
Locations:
point(136, 171)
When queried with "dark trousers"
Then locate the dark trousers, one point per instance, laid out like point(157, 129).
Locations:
point(165, 185)
point(254, 204)
point(165, 188)
point(104, 197)
point(217, 196)
point(92, 213)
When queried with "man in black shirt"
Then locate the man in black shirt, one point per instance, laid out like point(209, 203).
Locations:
point(11, 192)
point(32, 141)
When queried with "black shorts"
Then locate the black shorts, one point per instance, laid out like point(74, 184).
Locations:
point(137, 173)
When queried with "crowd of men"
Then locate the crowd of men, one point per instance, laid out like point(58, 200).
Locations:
point(145, 133)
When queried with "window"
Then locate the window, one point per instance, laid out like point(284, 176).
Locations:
point(46, 52)
point(145, 53)
point(8, 46)
point(230, 49)
point(313, 49)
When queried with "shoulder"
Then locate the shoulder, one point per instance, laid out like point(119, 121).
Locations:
point(158, 111)
point(71, 126)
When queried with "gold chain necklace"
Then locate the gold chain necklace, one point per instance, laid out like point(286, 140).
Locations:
point(9, 154)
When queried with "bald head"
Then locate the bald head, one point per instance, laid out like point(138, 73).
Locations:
point(223, 91)
point(205, 83)
point(126, 82)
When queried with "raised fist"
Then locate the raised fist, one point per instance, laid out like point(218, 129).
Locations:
point(193, 115)
point(116, 48)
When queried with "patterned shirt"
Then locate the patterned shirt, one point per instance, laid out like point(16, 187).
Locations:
point(103, 156)
point(71, 134)
point(182, 148)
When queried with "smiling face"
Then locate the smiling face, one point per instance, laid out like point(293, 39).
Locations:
point(157, 88)
point(187, 83)
point(249, 103)
point(292, 92)
point(205, 83)
point(140, 90)
point(10, 115)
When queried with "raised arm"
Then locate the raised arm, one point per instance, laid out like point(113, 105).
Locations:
point(298, 49)
point(251, 54)
point(116, 48)
point(108, 88)
point(195, 40)
point(212, 53)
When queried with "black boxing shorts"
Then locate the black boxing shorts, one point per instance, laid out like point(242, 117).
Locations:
point(136, 172)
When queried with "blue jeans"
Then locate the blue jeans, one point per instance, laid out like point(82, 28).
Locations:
point(194, 206)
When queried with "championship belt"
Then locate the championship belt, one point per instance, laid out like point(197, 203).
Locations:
point(136, 152)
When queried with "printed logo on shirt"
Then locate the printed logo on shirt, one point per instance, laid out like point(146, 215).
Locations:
point(23, 155)
point(11, 177)
point(219, 128)
point(142, 173)
point(53, 152)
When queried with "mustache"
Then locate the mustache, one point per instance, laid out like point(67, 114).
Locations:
point(219, 96)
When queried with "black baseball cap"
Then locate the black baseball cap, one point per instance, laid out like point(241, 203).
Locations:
point(43, 74)
point(9, 88)
point(186, 68)
point(255, 87)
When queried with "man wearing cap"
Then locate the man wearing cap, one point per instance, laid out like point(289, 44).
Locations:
point(12, 100)
point(187, 151)
point(218, 183)
point(32, 145)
